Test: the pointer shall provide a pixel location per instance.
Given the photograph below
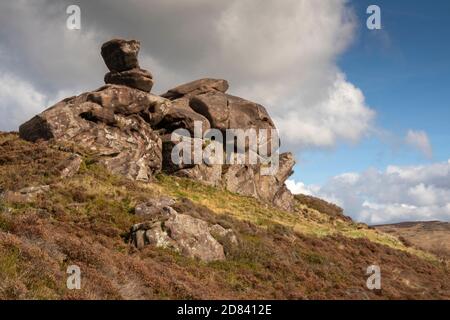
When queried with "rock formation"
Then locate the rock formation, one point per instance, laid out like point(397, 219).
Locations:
point(166, 228)
point(208, 98)
point(108, 121)
point(129, 129)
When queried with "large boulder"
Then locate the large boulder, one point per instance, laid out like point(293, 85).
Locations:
point(120, 54)
point(248, 180)
point(179, 115)
point(108, 122)
point(196, 87)
point(225, 111)
point(208, 98)
point(191, 237)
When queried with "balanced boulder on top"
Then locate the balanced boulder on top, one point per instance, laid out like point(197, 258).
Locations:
point(121, 55)
point(121, 58)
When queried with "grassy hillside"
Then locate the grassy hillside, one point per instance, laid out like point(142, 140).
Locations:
point(432, 236)
point(85, 219)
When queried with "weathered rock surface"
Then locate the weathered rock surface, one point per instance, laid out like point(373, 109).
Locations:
point(179, 115)
point(183, 233)
point(135, 78)
point(207, 97)
point(218, 231)
point(153, 207)
point(196, 87)
point(120, 54)
point(248, 180)
point(109, 123)
point(244, 179)
point(228, 112)
point(223, 111)
point(208, 174)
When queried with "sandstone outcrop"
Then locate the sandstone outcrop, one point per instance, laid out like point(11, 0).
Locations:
point(129, 129)
point(109, 122)
point(208, 97)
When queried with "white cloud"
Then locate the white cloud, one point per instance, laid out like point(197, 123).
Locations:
point(38, 48)
point(409, 193)
point(18, 101)
point(420, 141)
point(300, 187)
point(340, 115)
point(279, 53)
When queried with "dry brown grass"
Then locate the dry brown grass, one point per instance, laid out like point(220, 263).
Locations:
point(431, 236)
point(84, 220)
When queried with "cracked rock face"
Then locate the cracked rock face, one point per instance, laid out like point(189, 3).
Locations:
point(135, 78)
point(110, 123)
point(248, 180)
point(223, 111)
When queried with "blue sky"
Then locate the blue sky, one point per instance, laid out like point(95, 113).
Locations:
point(404, 73)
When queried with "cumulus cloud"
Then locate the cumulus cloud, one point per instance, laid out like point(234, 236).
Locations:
point(38, 48)
point(279, 53)
point(17, 100)
point(341, 115)
point(409, 193)
point(420, 141)
point(298, 187)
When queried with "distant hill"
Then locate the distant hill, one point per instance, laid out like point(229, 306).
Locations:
point(433, 236)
